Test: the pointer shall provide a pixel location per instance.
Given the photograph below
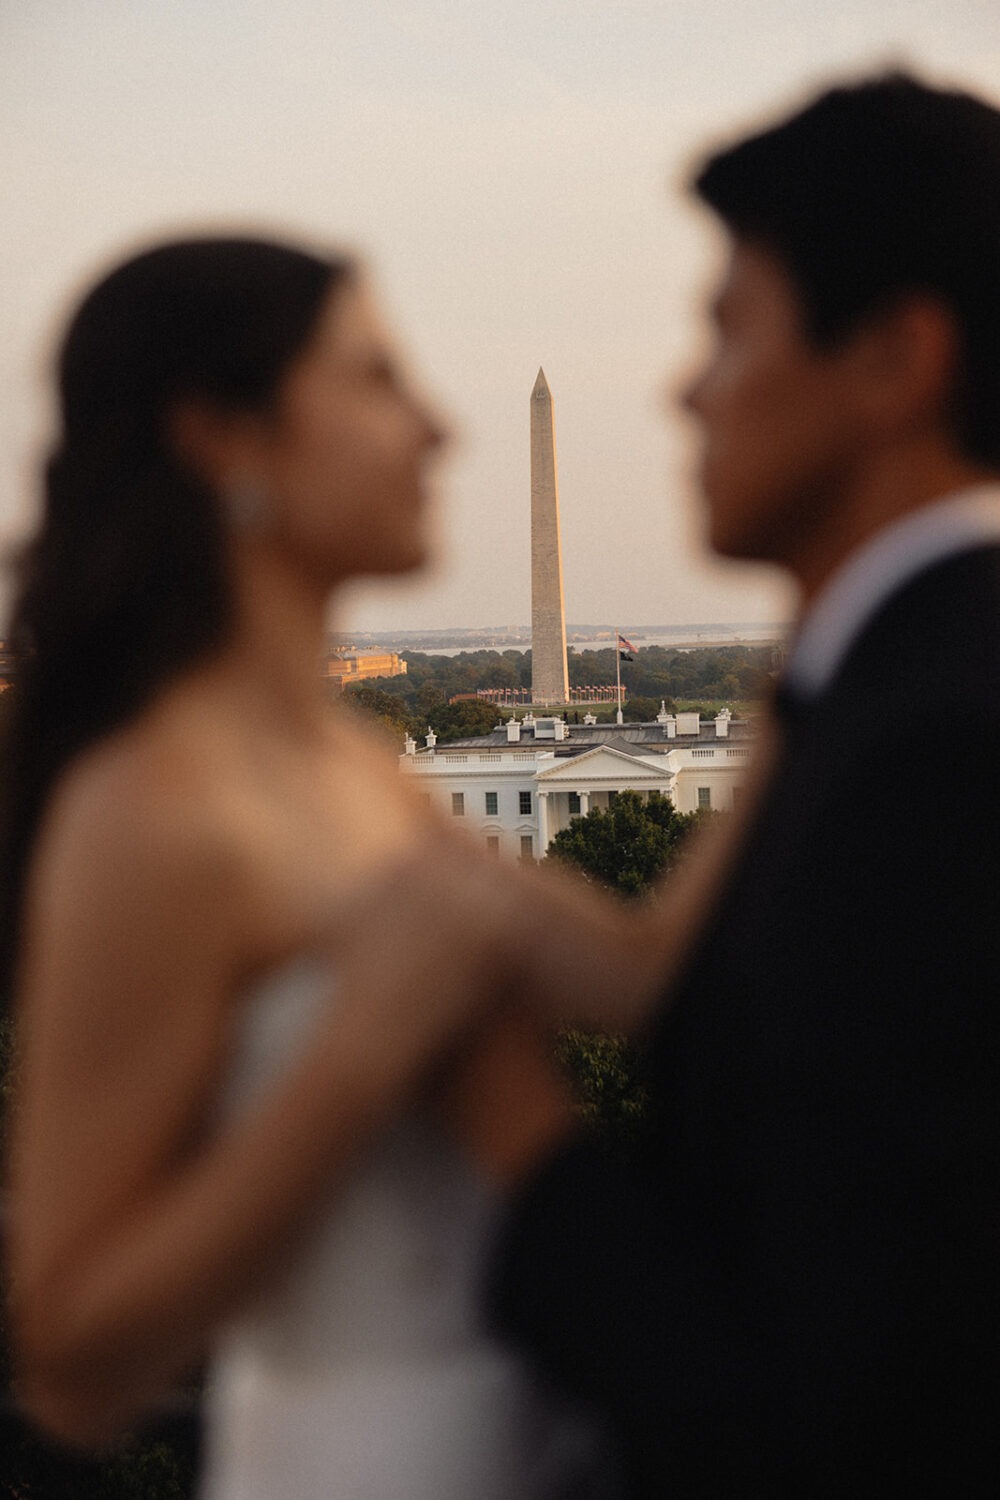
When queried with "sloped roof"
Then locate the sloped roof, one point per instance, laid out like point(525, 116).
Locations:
point(629, 739)
point(605, 760)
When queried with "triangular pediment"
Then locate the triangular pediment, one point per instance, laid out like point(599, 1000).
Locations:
point(602, 763)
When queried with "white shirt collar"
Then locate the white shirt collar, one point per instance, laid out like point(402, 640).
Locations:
point(878, 569)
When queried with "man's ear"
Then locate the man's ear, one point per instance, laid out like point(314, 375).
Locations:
point(908, 356)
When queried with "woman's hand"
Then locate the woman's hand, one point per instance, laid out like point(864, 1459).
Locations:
point(446, 945)
point(503, 1098)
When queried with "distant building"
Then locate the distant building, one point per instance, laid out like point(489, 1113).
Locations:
point(8, 666)
point(515, 788)
point(355, 666)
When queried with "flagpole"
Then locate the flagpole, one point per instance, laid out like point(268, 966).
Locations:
point(618, 672)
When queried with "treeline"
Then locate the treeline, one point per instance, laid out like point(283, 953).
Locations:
point(705, 678)
point(718, 674)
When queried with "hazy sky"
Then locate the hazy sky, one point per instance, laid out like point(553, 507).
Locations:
point(512, 169)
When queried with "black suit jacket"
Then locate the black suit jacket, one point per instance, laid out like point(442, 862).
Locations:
point(791, 1287)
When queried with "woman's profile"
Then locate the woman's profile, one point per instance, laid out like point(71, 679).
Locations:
point(209, 1154)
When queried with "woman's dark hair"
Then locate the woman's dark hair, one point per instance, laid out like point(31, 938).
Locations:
point(873, 191)
point(124, 583)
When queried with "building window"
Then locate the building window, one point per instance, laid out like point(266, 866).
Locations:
point(612, 798)
point(704, 796)
point(458, 804)
point(737, 795)
point(574, 804)
point(524, 804)
point(493, 845)
point(492, 804)
point(527, 846)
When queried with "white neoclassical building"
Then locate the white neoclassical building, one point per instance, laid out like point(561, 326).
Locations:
point(515, 788)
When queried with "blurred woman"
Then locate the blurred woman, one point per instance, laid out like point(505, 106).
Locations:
point(211, 1151)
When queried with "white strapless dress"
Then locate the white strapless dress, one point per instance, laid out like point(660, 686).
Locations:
point(367, 1372)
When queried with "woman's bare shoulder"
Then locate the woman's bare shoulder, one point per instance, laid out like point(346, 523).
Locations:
point(143, 787)
point(354, 735)
point(142, 819)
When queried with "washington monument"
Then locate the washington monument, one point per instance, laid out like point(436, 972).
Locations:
point(549, 676)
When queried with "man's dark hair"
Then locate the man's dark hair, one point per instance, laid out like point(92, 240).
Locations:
point(874, 191)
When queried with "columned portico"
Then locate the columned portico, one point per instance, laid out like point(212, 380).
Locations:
point(608, 771)
point(543, 820)
point(518, 789)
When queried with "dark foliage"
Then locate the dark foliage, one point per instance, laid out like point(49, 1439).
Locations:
point(627, 846)
point(606, 1075)
point(160, 1467)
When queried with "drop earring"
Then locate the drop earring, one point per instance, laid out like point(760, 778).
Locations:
point(246, 504)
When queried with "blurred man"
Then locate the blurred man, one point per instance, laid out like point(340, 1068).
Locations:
point(791, 1290)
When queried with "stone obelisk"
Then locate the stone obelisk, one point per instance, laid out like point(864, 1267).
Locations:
point(549, 676)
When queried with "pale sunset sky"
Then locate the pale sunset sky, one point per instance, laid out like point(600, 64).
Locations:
point(512, 171)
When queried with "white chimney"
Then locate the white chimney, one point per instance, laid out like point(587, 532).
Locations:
point(409, 745)
point(513, 730)
point(431, 738)
point(722, 724)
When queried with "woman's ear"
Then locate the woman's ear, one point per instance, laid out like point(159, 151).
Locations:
point(192, 437)
point(212, 444)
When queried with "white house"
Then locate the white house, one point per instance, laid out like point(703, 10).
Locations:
point(516, 787)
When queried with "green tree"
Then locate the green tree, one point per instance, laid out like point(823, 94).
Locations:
point(627, 846)
point(458, 721)
point(644, 710)
point(606, 1075)
point(429, 696)
point(385, 709)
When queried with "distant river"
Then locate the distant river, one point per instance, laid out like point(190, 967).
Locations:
point(684, 640)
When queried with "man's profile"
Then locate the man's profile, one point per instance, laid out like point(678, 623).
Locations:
point(791, 1289)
